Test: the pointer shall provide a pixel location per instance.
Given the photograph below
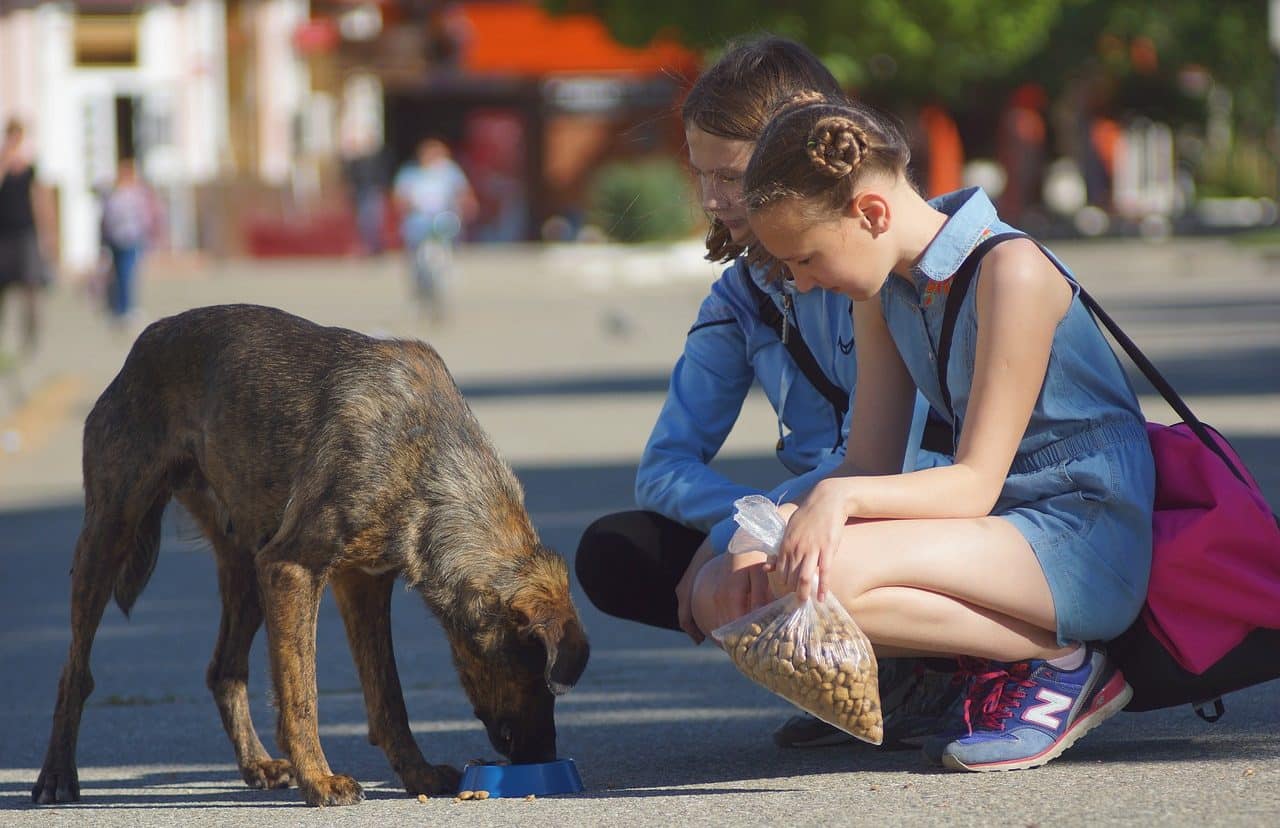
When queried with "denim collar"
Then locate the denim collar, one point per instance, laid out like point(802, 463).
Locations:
point(971, 215)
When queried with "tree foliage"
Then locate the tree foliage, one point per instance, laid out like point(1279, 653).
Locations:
point(1228, 40)
point(914, 48)
point(961, 50)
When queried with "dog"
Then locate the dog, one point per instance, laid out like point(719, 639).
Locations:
point(313, 456)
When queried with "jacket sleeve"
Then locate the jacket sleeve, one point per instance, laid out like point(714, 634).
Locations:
point(708, 386)
point(788, 490)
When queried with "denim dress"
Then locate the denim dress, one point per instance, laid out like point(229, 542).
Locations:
point(1081, 485)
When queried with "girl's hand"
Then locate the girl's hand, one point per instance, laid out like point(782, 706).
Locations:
point(743, 586)
point(813, 535)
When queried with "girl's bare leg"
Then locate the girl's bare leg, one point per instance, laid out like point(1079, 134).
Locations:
point(959, 586)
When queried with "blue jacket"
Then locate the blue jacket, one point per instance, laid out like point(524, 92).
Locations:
point(727, 349)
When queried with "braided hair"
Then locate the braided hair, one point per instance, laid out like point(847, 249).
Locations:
point(818, 151)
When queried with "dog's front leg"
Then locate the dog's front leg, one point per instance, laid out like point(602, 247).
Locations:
point(290, 602)
point(365, 603)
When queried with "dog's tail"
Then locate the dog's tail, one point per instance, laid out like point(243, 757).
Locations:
point(128, 481)
point(140, 560)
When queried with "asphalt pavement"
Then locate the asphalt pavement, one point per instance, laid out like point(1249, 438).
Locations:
point(564, 354)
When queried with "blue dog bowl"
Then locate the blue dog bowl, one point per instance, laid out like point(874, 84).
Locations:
point(542, 779)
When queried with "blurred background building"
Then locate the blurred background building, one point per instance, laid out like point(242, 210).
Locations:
point(241, 112)
point(255, 118)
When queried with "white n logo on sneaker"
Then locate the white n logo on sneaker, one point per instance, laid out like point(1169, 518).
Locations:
point(1047, 713)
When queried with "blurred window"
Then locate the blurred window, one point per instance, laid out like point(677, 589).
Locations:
point(106, 38)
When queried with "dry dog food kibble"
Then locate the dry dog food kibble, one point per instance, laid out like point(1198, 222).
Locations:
point(826, 668)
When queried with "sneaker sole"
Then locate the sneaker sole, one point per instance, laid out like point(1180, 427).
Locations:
point(830, 740)
point(1113, 698)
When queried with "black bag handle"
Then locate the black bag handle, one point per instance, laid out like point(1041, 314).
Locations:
point(799, 351)
point(960, 286)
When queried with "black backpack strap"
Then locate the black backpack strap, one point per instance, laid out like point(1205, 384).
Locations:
point(799, 351)
point(960, 286)
point(955, 298)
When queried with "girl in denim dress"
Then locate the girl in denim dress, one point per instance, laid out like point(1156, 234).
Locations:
point(1036, 542)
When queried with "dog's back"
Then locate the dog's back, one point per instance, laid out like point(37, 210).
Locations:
point(268, 418)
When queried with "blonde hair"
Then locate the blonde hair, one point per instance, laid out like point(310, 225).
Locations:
point(817, 152)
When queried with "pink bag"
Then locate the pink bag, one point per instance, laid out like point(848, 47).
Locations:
point(1215, 573)
point(1211, 622)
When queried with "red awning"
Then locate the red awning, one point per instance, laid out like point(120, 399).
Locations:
point(524, 39)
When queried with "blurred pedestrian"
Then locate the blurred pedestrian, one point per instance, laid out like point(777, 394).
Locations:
point(364, 167)
point(130, 223)
point(436, 201)
point(26, 237)
point(1021, 150)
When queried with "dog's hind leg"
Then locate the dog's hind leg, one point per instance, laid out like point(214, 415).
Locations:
point(290, 592)
point(228, 674)
point(116, 552)
point(365, 603)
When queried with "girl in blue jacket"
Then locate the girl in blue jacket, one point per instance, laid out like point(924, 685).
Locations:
point(641, 565)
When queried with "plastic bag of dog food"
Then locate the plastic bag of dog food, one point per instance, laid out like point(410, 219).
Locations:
point(810, 653)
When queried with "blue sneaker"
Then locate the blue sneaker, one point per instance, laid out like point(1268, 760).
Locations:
point(913, 695)
point(972, 676)
point(1034, 712)
point(924, 708)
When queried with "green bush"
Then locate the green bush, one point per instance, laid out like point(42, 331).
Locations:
point(1247, 169)
point(640, 201)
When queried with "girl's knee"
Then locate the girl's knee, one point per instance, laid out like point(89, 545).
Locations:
point(703, 597)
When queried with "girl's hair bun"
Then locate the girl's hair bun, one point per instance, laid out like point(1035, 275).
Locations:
point(836, 146)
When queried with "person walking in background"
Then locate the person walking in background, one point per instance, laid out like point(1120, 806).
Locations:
point(130, 222)
point(26, 237)
point(435, 200)
point(1021, 150)
point(364, 168)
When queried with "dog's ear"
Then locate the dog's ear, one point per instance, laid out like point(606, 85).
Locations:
point(557, 626)
point(567, 654)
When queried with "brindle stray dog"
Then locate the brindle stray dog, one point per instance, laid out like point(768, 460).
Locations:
point(312, 456)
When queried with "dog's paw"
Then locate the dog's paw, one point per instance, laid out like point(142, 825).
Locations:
point(56, 786)
point(268, 773)
point(338, 789)
point(431, 779)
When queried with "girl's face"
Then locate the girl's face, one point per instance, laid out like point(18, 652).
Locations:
point(719, 164)
point(837, 253)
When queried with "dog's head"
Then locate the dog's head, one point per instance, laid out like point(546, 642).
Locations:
point(530, 648)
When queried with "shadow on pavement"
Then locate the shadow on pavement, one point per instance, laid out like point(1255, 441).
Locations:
point(1242, 371)
point(649, 712)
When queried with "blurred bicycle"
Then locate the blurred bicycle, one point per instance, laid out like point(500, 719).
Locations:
point(432, 267)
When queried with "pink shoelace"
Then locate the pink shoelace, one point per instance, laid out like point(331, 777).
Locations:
point(995, 691)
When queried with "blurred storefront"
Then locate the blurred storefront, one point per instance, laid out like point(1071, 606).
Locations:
point(531, 103)
point(101, 80)
point(240, 111)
